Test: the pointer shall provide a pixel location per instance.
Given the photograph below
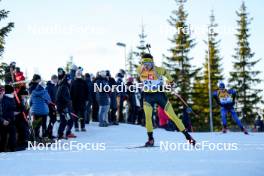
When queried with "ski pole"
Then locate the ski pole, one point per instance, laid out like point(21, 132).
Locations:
point(185, 103)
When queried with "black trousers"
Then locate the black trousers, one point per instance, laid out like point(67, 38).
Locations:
point(88, 111)
point(22, 128)
point(53, 119)
point(80, 112)
point(63, 123)
point(8, 137)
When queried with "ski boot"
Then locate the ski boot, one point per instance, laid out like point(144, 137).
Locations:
point(189, 138)
point(244, 131)
point(62, 137)
point(115, 123)
point(224, 130)
point(150, 142)
point(71, 135)
point(83, 130)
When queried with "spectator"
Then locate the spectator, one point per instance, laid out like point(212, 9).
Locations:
point(64, 106)
point(90, 97)
point(52, 87)
point(79, 97)
point(103, 99)
point(39, 102)
point(34, 83)
point(113, 103)
point(7, 121)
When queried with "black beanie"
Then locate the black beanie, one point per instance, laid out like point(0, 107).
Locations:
point(9, 89)
point(36, 77)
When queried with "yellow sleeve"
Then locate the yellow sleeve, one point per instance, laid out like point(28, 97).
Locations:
point(139, 68)
point(163, 72)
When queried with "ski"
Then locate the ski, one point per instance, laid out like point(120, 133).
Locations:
point(142, 146)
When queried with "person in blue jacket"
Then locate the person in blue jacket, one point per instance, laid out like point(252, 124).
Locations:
point(226, 99)
point(103, 99)
point(39, 108)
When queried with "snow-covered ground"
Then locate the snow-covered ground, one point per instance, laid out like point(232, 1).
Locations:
point(117, 159)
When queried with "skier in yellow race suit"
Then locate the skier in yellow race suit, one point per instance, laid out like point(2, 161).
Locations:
point(152, 79)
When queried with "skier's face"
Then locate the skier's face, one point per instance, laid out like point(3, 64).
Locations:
point(148, 65)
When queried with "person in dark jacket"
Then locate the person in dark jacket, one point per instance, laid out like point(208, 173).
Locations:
point(132, 111)
point(34, 83)
point(113, 102)
point(39, 108)
point(64, 107)
point(95, 106)
point(103, 99)
point(21, 120)
point(90, 97)
point(120, 96)
point(7, 121)
point(79, 96)
point(52, 88)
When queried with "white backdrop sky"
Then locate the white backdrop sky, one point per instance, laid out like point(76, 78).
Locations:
point(48, 32)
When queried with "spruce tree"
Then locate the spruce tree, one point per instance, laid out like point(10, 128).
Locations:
point(213, 52)
point(244, 78)
point(3, 33)
point(142, 41)
point(179, 61)
point(135, 56)
point(3, 68)
point(4, 30)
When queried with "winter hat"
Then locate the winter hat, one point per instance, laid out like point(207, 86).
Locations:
point(146, 58)
point(120, 75)
point(87, 76)
point(13, 64)
point(61, 73)
point(102, 74)
point(123, 72)
point(80, 68)
point(36, 77)
point(108, 73)
point(221, 85)
point(74, 67)
point(17, 69)
point(9, 89)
